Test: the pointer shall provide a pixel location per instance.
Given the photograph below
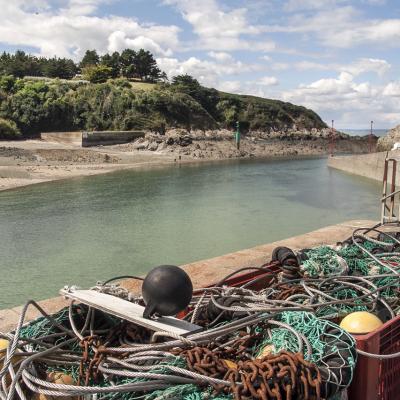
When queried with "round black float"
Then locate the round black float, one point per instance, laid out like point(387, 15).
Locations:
point(166, 290)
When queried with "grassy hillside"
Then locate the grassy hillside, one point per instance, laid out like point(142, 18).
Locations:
point(38, 106)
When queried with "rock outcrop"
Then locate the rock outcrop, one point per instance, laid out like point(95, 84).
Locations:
point(220, 144)
point(386, 142)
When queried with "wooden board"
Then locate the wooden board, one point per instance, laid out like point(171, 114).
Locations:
point(129, 311)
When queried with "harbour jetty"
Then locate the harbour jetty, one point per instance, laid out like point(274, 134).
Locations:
point(367, 165)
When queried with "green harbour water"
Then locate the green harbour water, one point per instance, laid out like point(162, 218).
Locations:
point(82, 230)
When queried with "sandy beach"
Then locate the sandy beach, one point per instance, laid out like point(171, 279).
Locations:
point(29, 162)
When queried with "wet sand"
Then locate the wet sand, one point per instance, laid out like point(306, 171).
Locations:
point(24, 163)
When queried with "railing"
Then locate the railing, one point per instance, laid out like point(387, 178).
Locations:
point(390, 196)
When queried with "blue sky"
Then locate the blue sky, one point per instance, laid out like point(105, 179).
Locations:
point(338, 57)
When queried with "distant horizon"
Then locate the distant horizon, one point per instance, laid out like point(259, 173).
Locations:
point(366, 130)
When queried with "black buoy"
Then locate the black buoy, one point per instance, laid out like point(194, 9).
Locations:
point(166, 290)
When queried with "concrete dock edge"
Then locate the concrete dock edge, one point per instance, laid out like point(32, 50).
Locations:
point(208, 271)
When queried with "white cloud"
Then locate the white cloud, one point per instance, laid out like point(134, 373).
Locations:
point(296, 5)
point(340, 25)
point(220, 30)
point(268, 81)
point(280, 66)
point(81, 7)
point(392, 89)
point(252, 88)
point(375, 2)
point(357, 67)
point(352, 103)
point(386, 32)
point(311, 65)
point(230, 86)
point(209, 73)
point(72, 30)
point(221, 56)
point(118, 41)
point(362, 65)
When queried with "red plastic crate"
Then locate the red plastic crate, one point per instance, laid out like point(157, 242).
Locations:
point(373, 379)
point(263, 278)
point(378, 379)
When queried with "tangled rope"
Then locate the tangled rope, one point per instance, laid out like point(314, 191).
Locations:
point(264, 341)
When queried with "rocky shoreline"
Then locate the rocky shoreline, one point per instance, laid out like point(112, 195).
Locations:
point(220, 144)
point(385, 143)
point(23, 163)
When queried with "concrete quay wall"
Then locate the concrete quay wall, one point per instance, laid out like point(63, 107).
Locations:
point(74, 138)
point(106, 138)
point(91, 138)
point(206, 272)
point(367, 165)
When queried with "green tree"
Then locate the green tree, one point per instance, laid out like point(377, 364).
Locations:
point(90, 58)
point(127, 60)
point(97, 73)
point(63, 68)
point(208, 98)
point(146, 66)
point(114, 62)
point(186, 81)
point(20, 64)
point(5, 61)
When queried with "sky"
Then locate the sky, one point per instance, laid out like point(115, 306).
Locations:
point(340, 58)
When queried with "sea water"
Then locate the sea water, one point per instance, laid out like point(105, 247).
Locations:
point(363, 132)
point(82, 230)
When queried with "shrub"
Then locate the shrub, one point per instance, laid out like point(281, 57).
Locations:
point(37, 106)
point(7, 83)
point(97, 73)
point(8, 129)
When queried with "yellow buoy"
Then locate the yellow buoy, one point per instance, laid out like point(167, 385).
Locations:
point(230, 364)
point(60, 378)
point(360, 322)
point(3, 344)
point(266, 351)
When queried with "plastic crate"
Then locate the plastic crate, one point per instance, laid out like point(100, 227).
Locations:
point(378, 379)
point(373, 379)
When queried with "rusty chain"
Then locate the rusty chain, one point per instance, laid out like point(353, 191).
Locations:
point(278, 377)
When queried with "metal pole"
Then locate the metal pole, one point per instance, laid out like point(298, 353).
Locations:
point(237, 135)
point(370, 137)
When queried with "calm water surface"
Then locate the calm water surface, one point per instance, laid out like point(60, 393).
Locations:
point(82, 230)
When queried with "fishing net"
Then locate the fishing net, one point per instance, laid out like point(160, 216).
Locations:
point(279, 341)
point(329, 347)
point(227, 367)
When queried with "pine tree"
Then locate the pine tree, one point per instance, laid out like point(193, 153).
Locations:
point(90, 58)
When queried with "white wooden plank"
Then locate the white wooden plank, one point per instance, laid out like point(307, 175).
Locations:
point(129, 311)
